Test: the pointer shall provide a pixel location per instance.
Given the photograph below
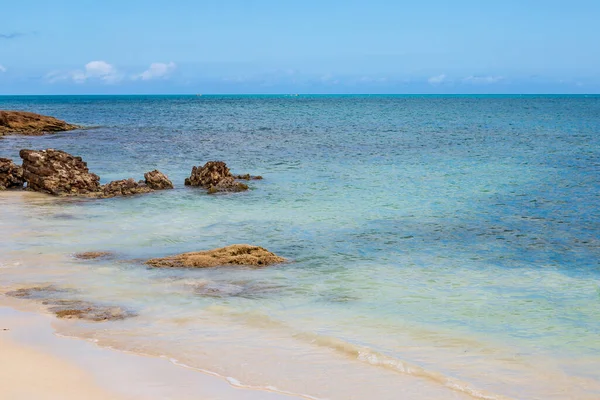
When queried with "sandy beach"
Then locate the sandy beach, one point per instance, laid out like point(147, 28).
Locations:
point(37, 364)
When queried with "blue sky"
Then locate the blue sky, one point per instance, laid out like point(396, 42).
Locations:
point(326, 46)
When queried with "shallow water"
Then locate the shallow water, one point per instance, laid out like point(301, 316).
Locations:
point(445, 247)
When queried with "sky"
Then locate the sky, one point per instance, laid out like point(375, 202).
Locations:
point(308, 46)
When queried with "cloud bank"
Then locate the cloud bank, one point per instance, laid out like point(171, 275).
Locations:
point(156, 71)
point(436, 80)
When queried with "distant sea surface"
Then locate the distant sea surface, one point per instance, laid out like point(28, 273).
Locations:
point(441, 246)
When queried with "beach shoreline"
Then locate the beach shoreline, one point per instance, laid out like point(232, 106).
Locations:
point(35, 362)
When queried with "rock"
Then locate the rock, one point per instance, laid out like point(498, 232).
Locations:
point(209, 175)
point(92, 255)
point(11, 175)
point(123, 187)
point(57, 172)
point(215, 177)
point(228, 184)
point(27, 123)
point(248, 177)
point(38, 292)
point(237, 254)
point(77, 309)
point(157, 180)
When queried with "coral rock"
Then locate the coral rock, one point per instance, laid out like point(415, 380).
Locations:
point(216, 177)
point(237, 254)
point(157, 180)
point(123, 187)
point(57, 172)
point(11, 175)
point(27, 123)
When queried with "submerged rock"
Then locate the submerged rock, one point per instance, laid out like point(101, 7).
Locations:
point(57, 172)
point(71, 308)
point(215, 177)
point(11, 175)
point(237, 254)
point(123, 187)
point(92, 255)
point(77, 309)
point(157, 180)
point(248, 177)
point(28, 123)
point(38, 292)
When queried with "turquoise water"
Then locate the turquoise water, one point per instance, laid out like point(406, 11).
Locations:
point(453, 240)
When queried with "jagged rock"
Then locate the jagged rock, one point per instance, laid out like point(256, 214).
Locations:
point(215, 177)
point(92, 255)
point(157, 180)
point(27, 123)
point(209, 175)
point(57, 172)
point(237, 254)
point(228, 184)
point(123, 187)
point(11, 175)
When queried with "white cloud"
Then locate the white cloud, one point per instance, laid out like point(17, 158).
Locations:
point(482, 80)
point(157, 70)
point(436, 80)
point(2, 68)
point(100, 70)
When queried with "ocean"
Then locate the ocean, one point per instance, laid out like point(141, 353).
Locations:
point(440, 246)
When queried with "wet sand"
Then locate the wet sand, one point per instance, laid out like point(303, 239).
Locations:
point(37, 364)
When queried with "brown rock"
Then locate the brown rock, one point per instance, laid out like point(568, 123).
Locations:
point(123, 187)
point(216, 177)
point(77, 309)
point(57, 172)
point(92, 255)
point(237, 254)
point(209, 175)
point(157, 180)
point(27, 123)
point(248, 177)
point(11, 175)
point(38, 292)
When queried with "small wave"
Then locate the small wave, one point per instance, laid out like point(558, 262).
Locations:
point(362, 354)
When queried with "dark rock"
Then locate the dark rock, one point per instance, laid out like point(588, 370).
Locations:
point(157, 180)
point(209, 175)
point(92, 255)
point(57, 172)
point(248, 177)
point(237, 254)
point(11, 175)
point(27, 123)
point(215, 177)
point(123, 187)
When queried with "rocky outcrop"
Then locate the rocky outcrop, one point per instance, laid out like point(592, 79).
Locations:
point(237, 254)
point(215, 177)
point(123, 187)
point(27, 123)
point(61, 174)
point(57, 172)
point(11, 175)
point(157, 180)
